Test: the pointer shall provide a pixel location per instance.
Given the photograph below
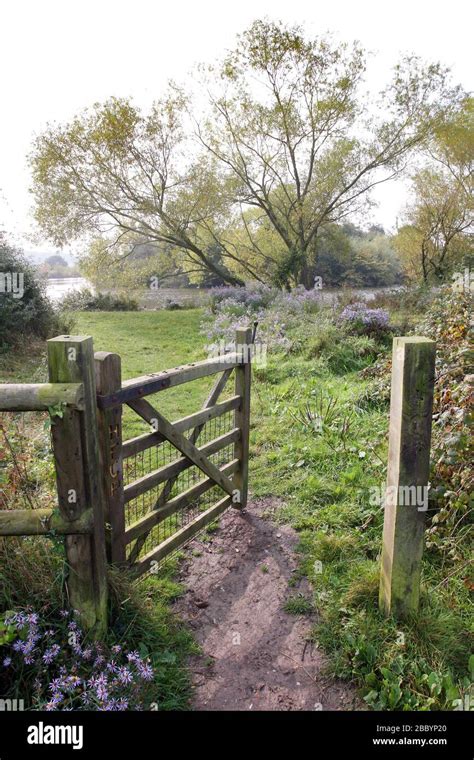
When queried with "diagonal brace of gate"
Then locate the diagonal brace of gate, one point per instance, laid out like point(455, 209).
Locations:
point(216, 390)
point(186, 447)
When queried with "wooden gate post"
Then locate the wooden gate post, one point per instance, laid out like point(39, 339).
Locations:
point(76, 451)
point(411, 406)
point(243, 344)
point(108, 377)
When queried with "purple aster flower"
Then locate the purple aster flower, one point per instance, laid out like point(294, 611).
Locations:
point(102, 693)
point(51, 653)
point(124, 675)
point(145, 671)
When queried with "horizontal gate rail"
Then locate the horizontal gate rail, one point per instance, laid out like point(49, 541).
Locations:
point(142, 442)
point(41, 522)
point(173, 505)
point(39, 397)
point(173, 469)
point(179, 538)
point(153, 383)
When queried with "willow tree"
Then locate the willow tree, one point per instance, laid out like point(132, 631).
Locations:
point(290, 124)
point(288, 144)
point(126, 179)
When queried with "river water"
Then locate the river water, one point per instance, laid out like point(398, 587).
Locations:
point(57, 289)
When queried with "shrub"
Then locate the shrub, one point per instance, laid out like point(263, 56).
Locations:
point(252, 298)
point(85, 300)
point(359, 319)
point(29, 312)
point(170, 305)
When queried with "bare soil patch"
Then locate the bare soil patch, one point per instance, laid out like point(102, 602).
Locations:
point(255, 656)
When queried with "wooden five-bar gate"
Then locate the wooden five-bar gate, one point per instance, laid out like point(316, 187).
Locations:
point(132, 503)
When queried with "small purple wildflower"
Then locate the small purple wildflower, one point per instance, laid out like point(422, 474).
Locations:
point(51, 654)
point(124, 675)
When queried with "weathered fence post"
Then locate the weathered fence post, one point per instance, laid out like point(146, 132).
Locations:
point(108, 378)
point(76, 451)
point(411, 405)
point(243, 343)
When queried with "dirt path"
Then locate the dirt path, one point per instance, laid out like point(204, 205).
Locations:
point(255, 655)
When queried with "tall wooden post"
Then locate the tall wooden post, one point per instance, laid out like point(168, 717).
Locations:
point(411, 406)
point(76, 451)
point(243, 341)
point(108, 377)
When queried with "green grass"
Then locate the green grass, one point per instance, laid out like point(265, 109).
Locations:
point(298, 605)
point(323, 482)
point(151, 341)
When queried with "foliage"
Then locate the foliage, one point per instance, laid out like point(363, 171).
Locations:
point(360, 319)
point(344, 255)
point(286, 144)
point(85, 300)
point(438, 232)
point(452, 484)
point(57, 266)
point(30, 313)
point(435, 239)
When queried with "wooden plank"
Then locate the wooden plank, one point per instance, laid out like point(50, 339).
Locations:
point(174, 505)
point(71, 359)
point(243, 341)
point(185, 446)
point(109, 379)
point(38, 397)
point(211, 400)
point(40, 522)
point(142, 442)
point(411, 405)
point(172, 470)
point(153, 383)
point(183, 535)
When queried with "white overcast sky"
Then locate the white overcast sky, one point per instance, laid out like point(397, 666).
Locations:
point(57, 56)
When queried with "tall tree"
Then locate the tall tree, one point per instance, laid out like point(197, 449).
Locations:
point(438, 235)
point(439, 224)
point(289, 144)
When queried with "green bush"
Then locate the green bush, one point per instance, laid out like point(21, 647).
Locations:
point(85, 300)
point(24, 306)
